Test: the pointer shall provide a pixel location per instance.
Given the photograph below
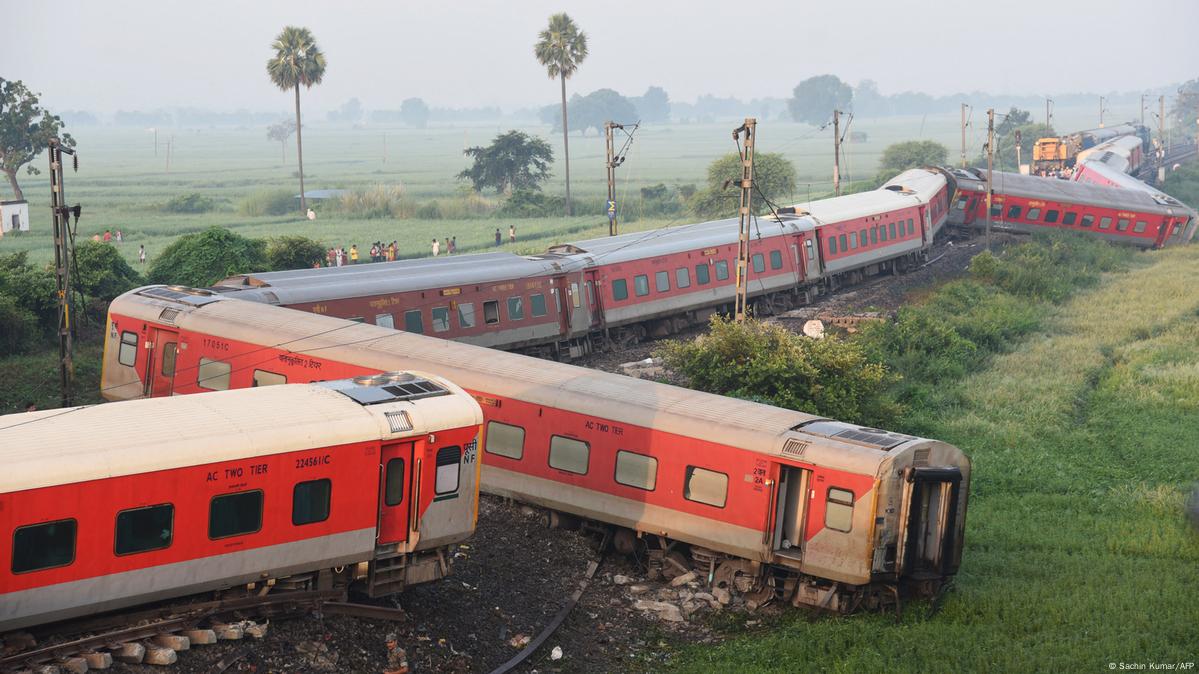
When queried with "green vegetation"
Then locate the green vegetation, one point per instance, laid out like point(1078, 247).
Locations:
point(101, 273)
point(25, 131)
point(189, 203)
point(561, 48)
point(1077, 553)
point(774, 179)
point(768, 363)
point(910, 154)
point(297, 61)
point(267, 202)
point(815, 98)
point(1183, 184)
point(204, 258)
point(293, 252)
point(513, 161)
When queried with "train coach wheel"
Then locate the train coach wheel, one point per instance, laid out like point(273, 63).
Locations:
point(674, 564)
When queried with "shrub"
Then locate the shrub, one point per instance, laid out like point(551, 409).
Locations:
point(429, 211)
point(103, 272)
point(1051, 266)
point(268, 202)
point(31, 288)
point(768, 363)
point(19, 329)
point(189, 203)
point(379, 201)
point(204, 258)
point(293, 252)
point(525, 204)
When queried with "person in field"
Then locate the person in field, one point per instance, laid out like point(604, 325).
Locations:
point(141, 254)
point(497, 236)
point(511, 233)
point(436, 247)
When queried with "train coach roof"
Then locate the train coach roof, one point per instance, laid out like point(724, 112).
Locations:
point(667, 240)
point(326, 283)
point(910, 188)
point(66, 446)
point(477, 369)
point(1054, 189)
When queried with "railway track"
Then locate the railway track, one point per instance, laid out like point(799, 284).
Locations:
point(154, 636)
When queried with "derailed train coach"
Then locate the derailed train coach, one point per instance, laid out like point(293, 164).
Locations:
point(772, 501)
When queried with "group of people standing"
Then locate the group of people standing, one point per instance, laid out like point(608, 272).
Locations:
point(339, 256)
point(116, 236)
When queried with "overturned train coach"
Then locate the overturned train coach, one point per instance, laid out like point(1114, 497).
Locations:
point(754, 497)
point(580, 295)
point(360, 483)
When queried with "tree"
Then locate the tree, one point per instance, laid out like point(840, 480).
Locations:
point(1005, 146)
point(867, 100)
point(561, 47)
point(654, 106)
point(513, 161)
point(596, 108)
point(281, 131)
point(25, 130)
point(774, 177)
point(297, 60)
point(103, 272)
point(815, 98)
point(349, 112)
point(1186, 107)
point(1014, 119)
point(202, 259)
point(293, 252)
point(414, 112)
point(900, 157)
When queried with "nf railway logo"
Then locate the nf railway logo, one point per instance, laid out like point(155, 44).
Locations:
point(611, 209)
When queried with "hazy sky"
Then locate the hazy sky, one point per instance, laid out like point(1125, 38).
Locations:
point(212, 53)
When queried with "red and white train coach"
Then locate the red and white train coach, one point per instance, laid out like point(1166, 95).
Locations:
point(1031, 203)
point(110, 506)
point(823, 512)
point(621, 288)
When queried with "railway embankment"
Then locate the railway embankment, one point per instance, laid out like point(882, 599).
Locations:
point(1082, 426)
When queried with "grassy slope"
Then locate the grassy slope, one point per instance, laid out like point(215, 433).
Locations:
point(1077, 554)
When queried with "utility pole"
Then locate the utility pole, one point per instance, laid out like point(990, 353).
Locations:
point(837, 153)
point(62, 264)
point(1048, 115)
point(749, 132)
point(990, 168)
point(155, 130)
point(963, 135)
point(1018, 143)
point(169, 144)
point(1101, 112)
point(1142, 109)
point(384, 147)
point(611, 166)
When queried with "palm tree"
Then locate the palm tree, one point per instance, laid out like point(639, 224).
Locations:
point(297, 61)
point(561, 47)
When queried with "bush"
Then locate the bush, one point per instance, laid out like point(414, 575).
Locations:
point(293, 252)
point(1051, 266)
point(189, 203)
point(102, 272)
point(201, 259)
point(429, 211)
point(765, 362)
point(526, 204)
point(268, 202)
point(19, 329)
point(379, 201)
point(31, 288)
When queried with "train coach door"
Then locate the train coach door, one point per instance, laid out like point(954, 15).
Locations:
point(930, 512)
point(595, 300)
point(160, 362)
point(790, 512)
point(399, 490)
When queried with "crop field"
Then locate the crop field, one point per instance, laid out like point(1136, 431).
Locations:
point(1077, 554)
point(122, 184)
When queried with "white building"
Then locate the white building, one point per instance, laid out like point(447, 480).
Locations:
point(14, 216)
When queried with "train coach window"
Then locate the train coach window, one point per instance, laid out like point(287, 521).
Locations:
point(505, 440)
point(1051, 216)
point(702, 275)
point(620, 289)
point(516, 308)
point(1013, 212)
point(414, 321)
point(862, 237)
point(144, 529)
point(213, 374)
point(682, 277)
point(722, 270)
point(466, 315)
point(235, 514)
point(1087, 220)
point(393, 482)
point(911, 227)
point(43, 546)
point(811, 249)
point(776, 259)
point(385, 321)
point(169, 351)
point(1139, 227)
point(996, 210)
point(891, 228)
point(853, 241)
point(641, 285)
point(491, 312)
point(636, 470)
point(882, 232)
point(1034, 214)
point(705, 486)
point(569, 454)
point(759, 263)
point(1105, 222)
point(127, 355)
point(838, 512)
point(574, 295)
point(310, 501)
point(449, 460)
point(264, 378)
point(1069, 218)
point(873, 235)
point(662, 281)
point(441, 319)
point(1122, 225)
point(960, 204)
point(537, 303)
point(844, 244)
point(832, 245)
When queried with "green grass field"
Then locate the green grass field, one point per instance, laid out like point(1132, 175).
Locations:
point(123, 185)
point(1083, 441)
